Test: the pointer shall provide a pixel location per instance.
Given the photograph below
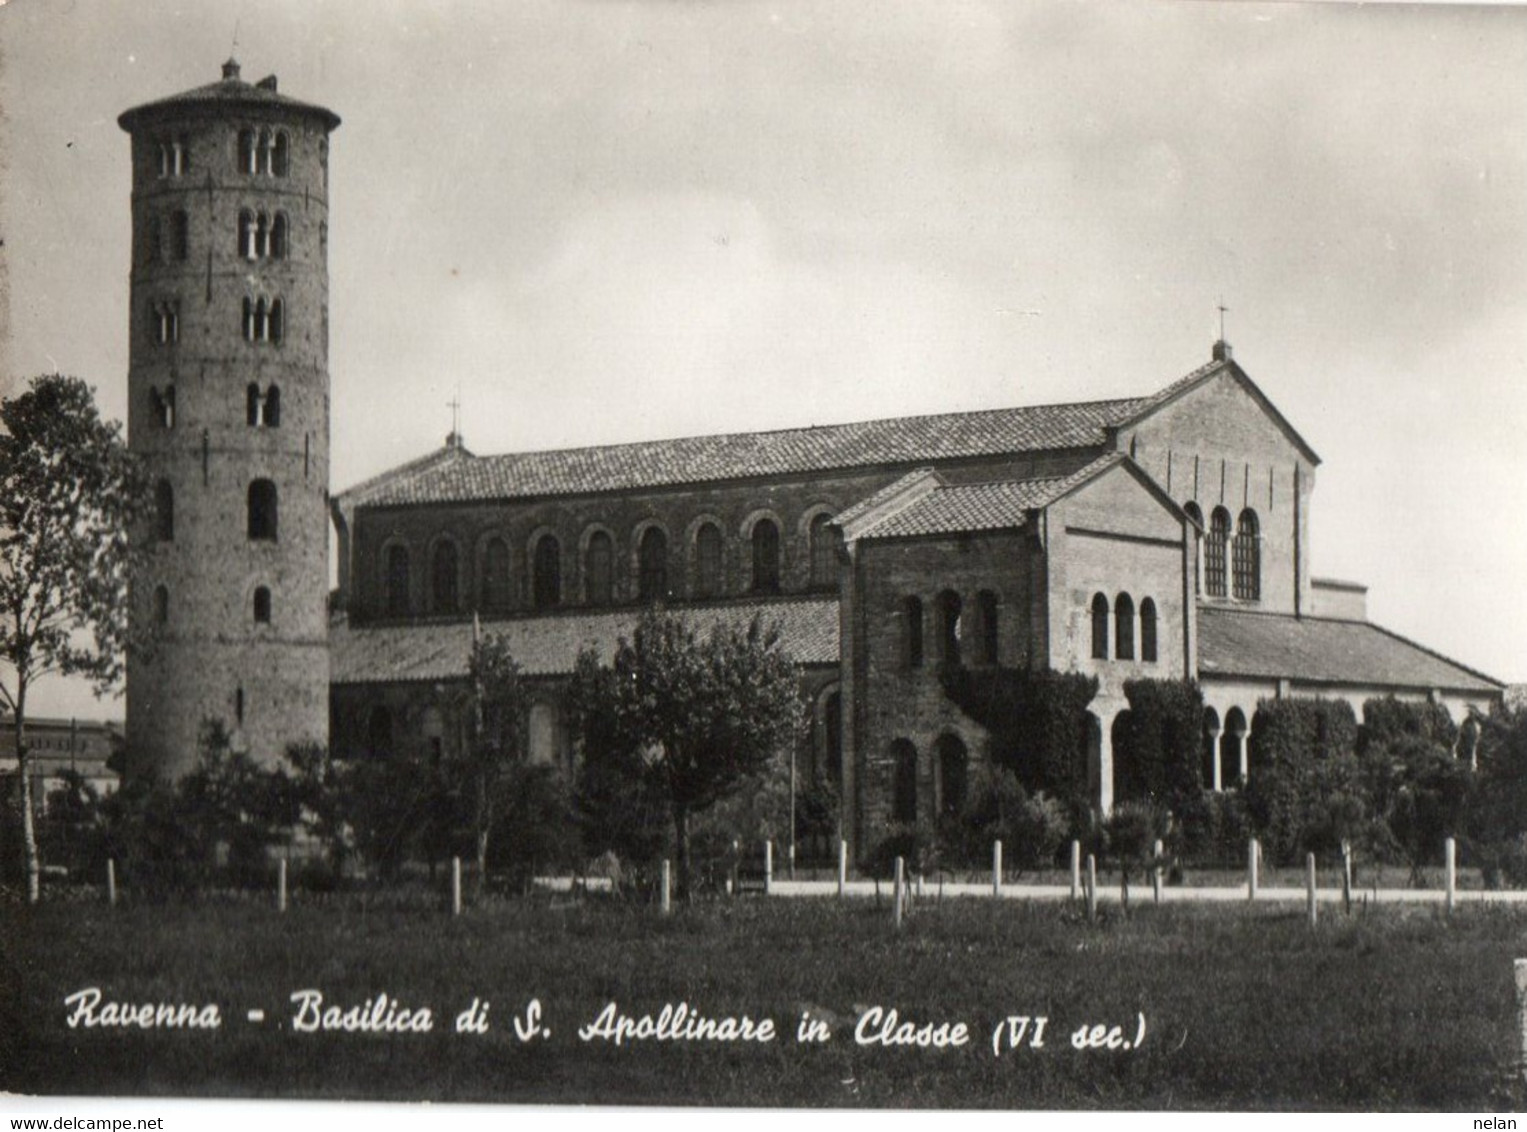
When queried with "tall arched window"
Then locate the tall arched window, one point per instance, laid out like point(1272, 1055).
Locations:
point(397, 581)
point(903, 781)
point(912, 614)
point(164, 511)
point(272, 415)
point(262, 605)
point(262, 511)
point(953, 763)
point(445, 577)
point(153, 241)
point(278, 236)
point(1148, 631)
point(824, 552)
point(1247, 557)
point(599, 569)
point(708, 561)
point(1196, 534)
point(1124, 627)
point(652, 566)
point(252, 405)
point(248, 152)
point(247, 235)
point(987, 643)
point(949, 627)
point(546, 573)
point(276, 326)
point(1214, 553)
point(278, 154)
point(1099, 627)
point(765, 557)
point(495, 575)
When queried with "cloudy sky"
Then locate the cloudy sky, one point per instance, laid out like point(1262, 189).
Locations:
point(607, 221)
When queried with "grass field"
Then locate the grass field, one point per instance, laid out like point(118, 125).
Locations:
point(1244, 1007)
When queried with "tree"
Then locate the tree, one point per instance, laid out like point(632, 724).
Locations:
point(495, 750)
point(688, 718)
point(69, 494)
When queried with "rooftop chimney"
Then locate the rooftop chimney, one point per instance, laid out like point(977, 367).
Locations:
point(267, 83)
point(1221, 351)
point(230, 69)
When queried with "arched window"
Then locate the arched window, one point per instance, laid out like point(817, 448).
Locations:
point(652, 566)
point(1196, 534)
point(276, 328)
point(251, 321)
point(952, 764)
point(599, 569)
point(1099, 627)
point(262, 605)
point(262, 511)
point(495, 575)
point(252, 405)
point(824, 552)
point(708, 560)
point(164, 322)
point(445, 577)
point(180, 234)
point(546, 573)
point(248, 155)
point(164, 511)
point(397, 581)
point(379, 733)
point(949, 626)
point(1247, 558)
point(1148, 631)
point(1124, 627)
point(163, 406)
point(278, 236)
point(278, 154)
point(903, 781)
point(161, 605)
point(988, 642)
point(765, 557)
point(247, 234)
point(272, 414)
point(1214, 553)
point(912, 612)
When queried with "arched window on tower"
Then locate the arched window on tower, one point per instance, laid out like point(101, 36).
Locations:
point(546, 573)
point(262, 511)
point(445, 577)
point(247, 247)
point(1099, 627)
point(912, 615)
point(495, 576)
point(164, 511)
point(1124, 627)
point(599, 569)
point(708, 560)
point(252, 405)
point(153, 241)
point(1246, 569)
point(276, 329)
point(272, 415)
point(1148, 631)
point(278, 236)
point(397, 581)
point(1214, 552)
point(824, 552)
point(163, 406)
point(652, 567)
point(279, 158)
point(262, 605)
point(949, 608)
point(248, 152)
point(765, 557)
point(1196, 534)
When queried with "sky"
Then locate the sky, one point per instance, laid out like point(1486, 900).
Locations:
point(605, 221)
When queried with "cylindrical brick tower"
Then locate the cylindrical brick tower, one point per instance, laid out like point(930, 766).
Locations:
point(228, 388)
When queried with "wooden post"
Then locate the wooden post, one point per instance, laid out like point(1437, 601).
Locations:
point(842, 866)
point(736, 865)
point(768, 867)
point(1452, 873)
point(1092, 887)
point(1076, 869)
point(996, 867)
point(1253, 852)
point(665, 890)
point(1521, 1018)
point(111, 881)
point(900, 877)
point(1309, 897)
point(281, 885)
point(1156, 870)
point(455, 886)
point(1346, 877)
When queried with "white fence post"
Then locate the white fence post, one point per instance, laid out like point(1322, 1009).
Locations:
point(281, 885)
point(842, 866)
point(900, 879)
point(1521, 1017)
point(1253, 854)
point(1309, 864)
point(1156, 870)
point(996, 867)
point(111, 882)
point(1076, 869)
point(1452, 873)
point(1092, 887)
point(768, 866)
point(665, 891)
point(455, 886)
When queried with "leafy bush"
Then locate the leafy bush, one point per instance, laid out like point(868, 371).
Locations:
point(1158, 750)
point(1031, 827)
point(1292, 744)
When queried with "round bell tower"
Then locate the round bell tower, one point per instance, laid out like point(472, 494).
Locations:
point(228, 387)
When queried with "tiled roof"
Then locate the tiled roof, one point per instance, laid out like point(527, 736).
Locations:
point(549, 645)
point(1237, 643)
point(699, 459)
point(229, 91)
point(1001, 505)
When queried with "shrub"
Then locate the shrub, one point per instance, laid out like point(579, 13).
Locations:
point(1158, 752)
